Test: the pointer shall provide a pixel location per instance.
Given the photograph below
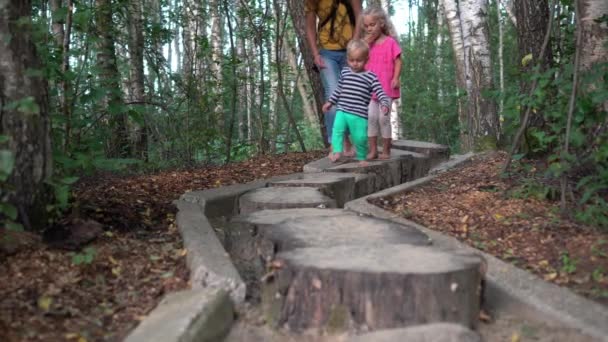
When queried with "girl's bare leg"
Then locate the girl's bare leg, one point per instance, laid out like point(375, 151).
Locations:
point(386, 149)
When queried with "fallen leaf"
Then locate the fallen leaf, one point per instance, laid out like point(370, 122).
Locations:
point(45, 302)
point(515, 337)
point(550, 276)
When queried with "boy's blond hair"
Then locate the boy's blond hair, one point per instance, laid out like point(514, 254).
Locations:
point(357, 45)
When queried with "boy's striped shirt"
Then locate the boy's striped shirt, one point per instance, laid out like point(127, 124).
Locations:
point(355, 90)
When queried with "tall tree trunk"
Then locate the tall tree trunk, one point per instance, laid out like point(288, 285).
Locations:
point(595, 34)
point(216, 60)
point(113, 107)
point(467, 22)
point(455, 28)
point(136, 68)
point(532, 20)
point(62, 28)
point(296, 10)
point(24, 116)
point(309, 112)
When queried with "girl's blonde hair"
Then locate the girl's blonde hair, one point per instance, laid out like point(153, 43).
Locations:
point(379, 14)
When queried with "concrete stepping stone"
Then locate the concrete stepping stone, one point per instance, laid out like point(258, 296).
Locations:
point(436, 152)
point(371, 287)
point(283, 198)
point(339, 186)
point(253, 240)
point(436, 332)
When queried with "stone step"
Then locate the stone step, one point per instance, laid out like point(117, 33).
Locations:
point(436, 332)
point(283, 198)
point(368, 288)
point(252, 240)
point(437, 153)
point(339, 186)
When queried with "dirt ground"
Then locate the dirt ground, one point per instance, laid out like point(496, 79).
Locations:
point(100, 291)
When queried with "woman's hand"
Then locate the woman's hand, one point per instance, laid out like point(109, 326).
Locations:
point(319, 61)
point(326, 107)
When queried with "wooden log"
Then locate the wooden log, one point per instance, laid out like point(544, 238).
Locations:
point(371, 287)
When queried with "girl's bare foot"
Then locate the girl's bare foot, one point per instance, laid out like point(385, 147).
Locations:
point(384, 156)
point(334, 157)
point(371, 156)
point(363, 163)
point(349, 152)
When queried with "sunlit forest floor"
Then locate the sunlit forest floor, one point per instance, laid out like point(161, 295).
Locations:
point(51, 293)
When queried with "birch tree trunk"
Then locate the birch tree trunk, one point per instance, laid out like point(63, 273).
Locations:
point(467, 22)
point(216, 60)
point(136, 68)
point(112, 105)
point(24, 117)
point(482, 110)
point(594, 34)
point(452, 16)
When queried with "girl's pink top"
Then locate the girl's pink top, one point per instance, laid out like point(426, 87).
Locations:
point(382, 62)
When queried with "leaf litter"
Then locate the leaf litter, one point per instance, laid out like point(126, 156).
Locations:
point(101, 292)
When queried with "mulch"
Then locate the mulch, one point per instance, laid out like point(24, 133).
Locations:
point(514, 218)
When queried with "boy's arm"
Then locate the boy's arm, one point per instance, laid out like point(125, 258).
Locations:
point(380, 94)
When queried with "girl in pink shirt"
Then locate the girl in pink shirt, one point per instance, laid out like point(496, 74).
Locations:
point(385, 62)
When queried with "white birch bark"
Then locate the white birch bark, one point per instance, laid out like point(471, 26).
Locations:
point(217, 57)
point(595, 35)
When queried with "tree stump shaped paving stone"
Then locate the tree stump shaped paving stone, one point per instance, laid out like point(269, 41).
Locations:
point(253, 239)
point(339, 186)
point(283, 198)
point(367, 288)
point(435, 332)
point(437, 153)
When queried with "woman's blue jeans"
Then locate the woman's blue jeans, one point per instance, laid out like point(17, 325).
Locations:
point(335, 61)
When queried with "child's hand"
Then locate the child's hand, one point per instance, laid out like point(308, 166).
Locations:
point(326, 107)
point(395, 83)
point(385, 110)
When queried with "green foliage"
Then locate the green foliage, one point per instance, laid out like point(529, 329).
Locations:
point(568, 263)
point(85, 257)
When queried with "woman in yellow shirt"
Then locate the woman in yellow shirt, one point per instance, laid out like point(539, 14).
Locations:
point(330, 25)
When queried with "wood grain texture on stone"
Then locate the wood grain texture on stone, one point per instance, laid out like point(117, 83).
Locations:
point(253, 239)
point(371, 287)
point(283, 198)
point(339, 186)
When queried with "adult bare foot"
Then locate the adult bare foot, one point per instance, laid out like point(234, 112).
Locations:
point(384, 156)
point(371, 156)
point(334, 157)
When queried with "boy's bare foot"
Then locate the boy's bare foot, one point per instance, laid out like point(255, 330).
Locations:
point(371, 156)
point(363, 163)
point(334, 157)
point(384, 156)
